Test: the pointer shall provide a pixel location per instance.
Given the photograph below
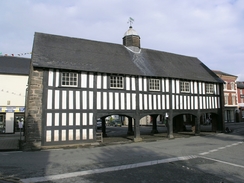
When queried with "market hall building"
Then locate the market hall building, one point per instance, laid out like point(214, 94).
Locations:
point(73, 82)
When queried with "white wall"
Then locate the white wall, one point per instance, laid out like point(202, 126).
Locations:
point(13, 89)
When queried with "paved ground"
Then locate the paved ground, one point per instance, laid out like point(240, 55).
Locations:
point(10, 142)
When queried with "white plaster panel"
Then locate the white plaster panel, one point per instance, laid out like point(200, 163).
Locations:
point(71, 119)
point(192, 102)
point(90, 100)
point(90, 133)
point(57, 78)
point(140, 102)
point(167, 85)
point(64, 119)
point(173, 101)
point(159, 102)
point(84, 134)
point(122, 98)
point(90, 118)
point(48, 135)
point(167, 101)
point(196, 103)
point(111, 100)
point(154, 102)
point(50, 77)
point(140, 83)
point(56, 135)
point(104, 82)
point(98, 100)
point(84, 99)
point(181, 102)
point(163, 102)
point(204, 102)
point(91, 80)
point(63, 135)
point(99, 81)
point(133, 101)
point(64, 97)
point(128, 101)
point(83, 80)
point(133, 83)
point(105, 102)
point(56, 120)
point(84, 119)
point(200, 102)
point(185, 103)
point(163, 86)
point(127, 83)
point(203, 88)
point(189, 102)
point(150, 102)
point(116, 101)
point(177, 102)
point(71, 135)
point(49, 119)
point(77, 119)
point(145, 84)
point(77, 99)
point(145, 101)
point(71, 97)
point(173, 86)
point(49, 99)
point(200, 88)
point(177, 86)
point(77, 134)
point(56, 104)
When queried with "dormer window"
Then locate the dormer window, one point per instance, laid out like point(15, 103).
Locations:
point(185, 86)
point(117, 82)
point(69, 79)
point(154, 84)
point(209, 88)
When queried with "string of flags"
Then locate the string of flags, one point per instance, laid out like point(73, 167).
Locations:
point(14, 55)
point(13, 93)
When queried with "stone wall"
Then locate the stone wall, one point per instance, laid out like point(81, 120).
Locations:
point(33, 124)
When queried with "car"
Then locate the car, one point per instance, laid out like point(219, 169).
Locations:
point(99, 124)
point(115, 123)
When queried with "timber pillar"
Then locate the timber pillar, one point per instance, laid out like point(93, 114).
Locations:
point(154, 124)
point(130, 128)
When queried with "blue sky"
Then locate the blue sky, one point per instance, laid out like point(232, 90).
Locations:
point(212, 31)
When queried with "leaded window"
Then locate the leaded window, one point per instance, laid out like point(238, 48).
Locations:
point(185, 86)
point(154, 85)
point(209, 88)
point(69, 79)
point(117, 82)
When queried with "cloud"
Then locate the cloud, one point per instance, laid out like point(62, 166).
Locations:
point(209, 30)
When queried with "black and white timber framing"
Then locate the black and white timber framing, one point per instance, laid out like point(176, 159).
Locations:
point(68, 114)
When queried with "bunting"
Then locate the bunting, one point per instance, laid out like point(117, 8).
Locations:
point(15, 54)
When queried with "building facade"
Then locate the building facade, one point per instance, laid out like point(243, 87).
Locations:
point(240, 99)
point(73, 82)
point(14, 73)
point(230, 95)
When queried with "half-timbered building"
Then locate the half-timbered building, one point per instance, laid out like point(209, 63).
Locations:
point(75, 81)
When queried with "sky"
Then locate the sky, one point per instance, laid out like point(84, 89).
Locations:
point(211, 30)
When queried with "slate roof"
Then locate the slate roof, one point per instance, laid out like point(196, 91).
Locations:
point(14, 65)
point(240, 84)
point(53, 51)
point(223, 73)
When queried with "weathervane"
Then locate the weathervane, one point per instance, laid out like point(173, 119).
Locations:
point(131, 20)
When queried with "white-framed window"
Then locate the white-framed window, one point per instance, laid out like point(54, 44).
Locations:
point(185, 86)
point(225, 85)
point(154, 84)
point(233, 97)
point(69, 79)
point(209, 88)
point(241, 91)
point(226, 99)
point(117, 82)
point(232, 84)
